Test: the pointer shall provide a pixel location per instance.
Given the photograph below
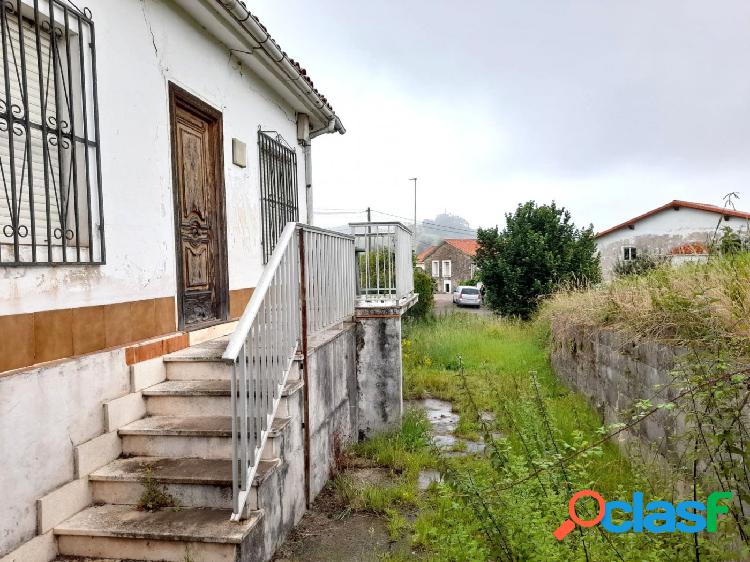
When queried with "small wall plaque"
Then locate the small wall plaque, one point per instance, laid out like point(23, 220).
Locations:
point(239, 153)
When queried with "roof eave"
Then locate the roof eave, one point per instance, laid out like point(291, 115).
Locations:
point(232, 24)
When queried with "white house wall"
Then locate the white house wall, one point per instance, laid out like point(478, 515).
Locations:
point(662, 232)
point(44, 414)
point(141, 46)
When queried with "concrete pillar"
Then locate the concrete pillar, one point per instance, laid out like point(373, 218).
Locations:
point(379, 369)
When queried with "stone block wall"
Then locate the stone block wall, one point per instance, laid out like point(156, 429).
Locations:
point(613, 372)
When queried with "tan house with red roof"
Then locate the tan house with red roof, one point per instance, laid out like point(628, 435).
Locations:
point(449, 263)
point(681, 230)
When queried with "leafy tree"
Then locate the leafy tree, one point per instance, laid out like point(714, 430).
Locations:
point(538, 249)
point(423, 287)
point(732, 242)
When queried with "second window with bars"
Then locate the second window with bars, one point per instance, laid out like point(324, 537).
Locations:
point(279, 197)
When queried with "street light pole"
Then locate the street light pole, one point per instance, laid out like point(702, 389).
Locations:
point(414, 234)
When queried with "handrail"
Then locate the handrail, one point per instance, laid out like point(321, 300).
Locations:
point(261, 353)
point(263, 347)
point(237, 340)
point(382, 223)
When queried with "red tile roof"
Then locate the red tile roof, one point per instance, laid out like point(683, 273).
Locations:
point(689, 249)
point(468, 247)
point(297, 66)
point(424, 253)
point(677, 204)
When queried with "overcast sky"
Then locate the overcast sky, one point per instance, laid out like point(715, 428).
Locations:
point(608, 107)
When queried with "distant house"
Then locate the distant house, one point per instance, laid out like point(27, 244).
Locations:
point(449, 263)
point(681, 230)
point(423, 255)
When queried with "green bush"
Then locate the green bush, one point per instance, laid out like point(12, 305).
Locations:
point(539, 249)
point(424, 288)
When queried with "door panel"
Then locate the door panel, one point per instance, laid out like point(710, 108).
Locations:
point(199, 211)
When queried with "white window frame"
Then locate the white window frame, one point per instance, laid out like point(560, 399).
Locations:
point(447, 268)
point(435, 268)
point(629, 253)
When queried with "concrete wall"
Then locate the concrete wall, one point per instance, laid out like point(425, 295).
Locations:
point(44, 414)
point(612, 373)
point(332, 395)
point(141, 46)
point(661, 232)
point(354, 389)
point(379, 370)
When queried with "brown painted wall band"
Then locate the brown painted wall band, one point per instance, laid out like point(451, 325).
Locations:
point(38, 337)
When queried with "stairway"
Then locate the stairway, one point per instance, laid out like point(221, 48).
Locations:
point(184, 446)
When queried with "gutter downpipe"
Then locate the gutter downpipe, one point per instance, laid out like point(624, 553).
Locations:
point(244, 19)
point(307, 150)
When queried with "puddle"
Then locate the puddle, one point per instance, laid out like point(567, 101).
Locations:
point(427, 477)
point(444, 423)
point(439, 414)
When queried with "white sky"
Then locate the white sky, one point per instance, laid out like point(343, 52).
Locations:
point(609, 107)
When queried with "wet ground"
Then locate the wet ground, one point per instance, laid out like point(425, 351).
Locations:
point(444, 423)
point(330, 532)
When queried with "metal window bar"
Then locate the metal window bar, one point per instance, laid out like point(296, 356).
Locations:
point(383, 262)
point(279, 195)
point(50, 160)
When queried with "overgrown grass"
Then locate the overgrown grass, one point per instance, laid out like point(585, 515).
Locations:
point(494, 506)
point(498, 356)
point(698, 305)
point(404, 452)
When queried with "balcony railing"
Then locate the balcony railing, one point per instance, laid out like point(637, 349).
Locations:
point(383, 262)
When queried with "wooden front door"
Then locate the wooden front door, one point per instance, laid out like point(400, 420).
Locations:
point(198, 185)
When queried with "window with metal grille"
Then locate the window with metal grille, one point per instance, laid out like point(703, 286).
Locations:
point(278, 188)
point(50, 199)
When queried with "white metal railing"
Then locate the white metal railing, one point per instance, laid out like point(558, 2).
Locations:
point(384, 268)
point(329, 277)
point(268, 335)
point(261, 351)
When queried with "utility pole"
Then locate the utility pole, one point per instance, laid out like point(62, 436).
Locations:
point(368, 214)
point(414, 233)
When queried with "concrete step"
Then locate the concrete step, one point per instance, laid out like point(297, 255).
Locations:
point(193, 482)
point(122, 532)
point(199, 362)
point(201, 397)
point(207, 437)
point(274, 448)
point(189, 398)
point(203, 362)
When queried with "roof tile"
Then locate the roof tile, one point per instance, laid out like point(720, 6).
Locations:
point(678, 204)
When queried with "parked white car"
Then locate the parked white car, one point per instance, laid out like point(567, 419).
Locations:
point(467, 296)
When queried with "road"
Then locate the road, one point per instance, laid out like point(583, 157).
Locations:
point(444, 305)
